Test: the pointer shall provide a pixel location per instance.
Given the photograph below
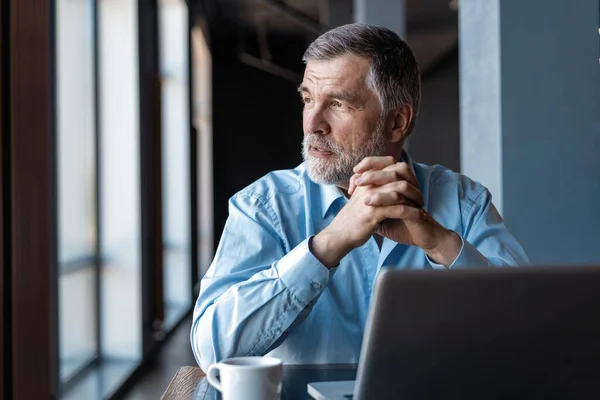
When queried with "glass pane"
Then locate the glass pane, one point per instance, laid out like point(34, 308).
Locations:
point(75, 119)
point(121, 330)
point(173, 19)
point(76, 184)
point(77, 320)
point(202, 115)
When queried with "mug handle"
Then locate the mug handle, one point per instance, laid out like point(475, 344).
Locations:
point(211, 376)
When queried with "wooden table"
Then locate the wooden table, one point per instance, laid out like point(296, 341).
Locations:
point(189, 383)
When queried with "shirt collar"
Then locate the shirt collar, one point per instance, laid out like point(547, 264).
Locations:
point(330, 193)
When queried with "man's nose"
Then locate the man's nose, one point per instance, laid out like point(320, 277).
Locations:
point(316, 122)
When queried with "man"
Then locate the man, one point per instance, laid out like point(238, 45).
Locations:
point(294, 272)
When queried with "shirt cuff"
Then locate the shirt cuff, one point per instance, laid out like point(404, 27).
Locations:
point(468, 256)
point(302, 273)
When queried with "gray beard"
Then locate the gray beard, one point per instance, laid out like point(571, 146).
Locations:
point(339, 170)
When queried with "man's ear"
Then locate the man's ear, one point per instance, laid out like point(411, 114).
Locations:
point(401, 123)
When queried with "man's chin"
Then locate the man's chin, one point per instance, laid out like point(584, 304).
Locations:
point(326, 177)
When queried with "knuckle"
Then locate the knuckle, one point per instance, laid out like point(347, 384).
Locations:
point(368, 159)
point(361, 163)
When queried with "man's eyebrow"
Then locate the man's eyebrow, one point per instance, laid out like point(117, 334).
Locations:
point(343, 95)
point(347, 97)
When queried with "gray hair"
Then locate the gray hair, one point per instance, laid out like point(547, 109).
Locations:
point(394, 75)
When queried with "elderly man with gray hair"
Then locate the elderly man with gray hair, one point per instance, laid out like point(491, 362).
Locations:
point(293, 274)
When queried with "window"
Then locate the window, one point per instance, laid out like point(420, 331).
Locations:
point(202, 115)
point(174, 61)
point(77, 222)
point(120, 224)
point(111, 282)
point(98, 179)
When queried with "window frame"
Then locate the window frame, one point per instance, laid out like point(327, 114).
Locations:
point(29, 200)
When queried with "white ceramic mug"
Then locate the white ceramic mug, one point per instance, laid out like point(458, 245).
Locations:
point(247, 378)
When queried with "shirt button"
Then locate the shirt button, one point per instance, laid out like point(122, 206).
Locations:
point(316, 285)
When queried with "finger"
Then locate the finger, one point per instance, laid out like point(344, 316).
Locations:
point(387, 199)
point(404, 170)
point(352, 184)
point(369, 163)
point(407, 190)
point(392, 173)
point(403, 212)
point(376, 178)
point(393, 193)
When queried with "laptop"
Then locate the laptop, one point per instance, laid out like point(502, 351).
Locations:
point(497, 333)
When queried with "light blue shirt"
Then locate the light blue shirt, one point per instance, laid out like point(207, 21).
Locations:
point(266, 293)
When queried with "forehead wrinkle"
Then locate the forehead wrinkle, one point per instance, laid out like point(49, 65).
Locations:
point(331, 86)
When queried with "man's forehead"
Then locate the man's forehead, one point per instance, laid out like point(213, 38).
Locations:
point(344, 70)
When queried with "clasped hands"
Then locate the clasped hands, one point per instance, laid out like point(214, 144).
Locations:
point(385, 198)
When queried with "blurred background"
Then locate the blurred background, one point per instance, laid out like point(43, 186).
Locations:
point(127, 124)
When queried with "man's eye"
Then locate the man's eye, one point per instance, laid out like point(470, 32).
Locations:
point(306, 100)
point(336, 104)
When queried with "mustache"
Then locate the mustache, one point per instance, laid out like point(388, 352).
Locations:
point(322, 143)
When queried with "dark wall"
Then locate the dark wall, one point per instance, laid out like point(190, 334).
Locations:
point(436, 139)
point(257, 125)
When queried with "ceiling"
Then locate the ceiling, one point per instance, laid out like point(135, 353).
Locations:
point(272, 34)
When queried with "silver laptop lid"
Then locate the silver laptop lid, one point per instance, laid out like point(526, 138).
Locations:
point(528, 332)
